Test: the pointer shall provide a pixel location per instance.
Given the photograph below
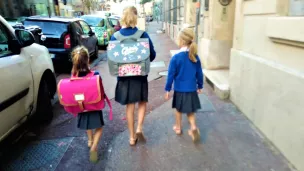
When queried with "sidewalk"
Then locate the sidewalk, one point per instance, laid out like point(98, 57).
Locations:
point(229, 141)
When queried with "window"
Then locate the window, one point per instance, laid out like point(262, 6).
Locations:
point(181, 8)
point(93, 21)
point(296, 8)
point(169, 11)
point(78, 28)
point(101, 23)
point(85, 27)
point(174, 11)
point(48, 27)
point(4, 50)
point(113, 22)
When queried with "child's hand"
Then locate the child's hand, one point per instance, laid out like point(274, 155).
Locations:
point(199, 91)
point(167, 95)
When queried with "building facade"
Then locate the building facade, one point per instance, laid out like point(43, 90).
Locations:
point(252, 52)
point(18, 8)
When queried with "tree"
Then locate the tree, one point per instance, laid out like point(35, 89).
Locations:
point(90, 4)
point(142, 2)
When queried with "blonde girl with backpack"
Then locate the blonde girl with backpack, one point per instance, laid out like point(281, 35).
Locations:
point(133, 90)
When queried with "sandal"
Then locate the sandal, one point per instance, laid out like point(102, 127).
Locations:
point(133, 141)
point(90, 143)
point(93, 156)
point(140, 136)
point(195, 135)
point(177, 131)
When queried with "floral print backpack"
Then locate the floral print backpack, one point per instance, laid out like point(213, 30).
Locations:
point(129, 55)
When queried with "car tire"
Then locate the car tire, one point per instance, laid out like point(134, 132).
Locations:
point(44, 112)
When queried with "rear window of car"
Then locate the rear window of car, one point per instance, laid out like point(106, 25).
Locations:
point(93, 21)
point(48, 27)
point(114, 21)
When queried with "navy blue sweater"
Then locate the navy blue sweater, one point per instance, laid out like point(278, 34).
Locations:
point(187, 75)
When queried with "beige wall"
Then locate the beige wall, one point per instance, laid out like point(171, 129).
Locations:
point(267, 73)
point(216, 41)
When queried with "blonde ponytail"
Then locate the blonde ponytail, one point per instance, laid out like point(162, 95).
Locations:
point(193, 52)
point(186, 37)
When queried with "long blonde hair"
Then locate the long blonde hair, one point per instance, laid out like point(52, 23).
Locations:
point(80, 58)
point(186, 38)
point(129, 17)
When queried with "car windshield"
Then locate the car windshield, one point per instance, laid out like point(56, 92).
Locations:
point(48, 27)
point(93, 21)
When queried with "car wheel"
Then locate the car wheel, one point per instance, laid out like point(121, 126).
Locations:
point(44, 113)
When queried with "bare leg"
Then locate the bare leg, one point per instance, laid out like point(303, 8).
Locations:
point(193, 132)
point(178, 122)
point(93, 151)
point(141, 115)
point(97, 135)
point(90, 137)
point(191, 118)
point(130, 118)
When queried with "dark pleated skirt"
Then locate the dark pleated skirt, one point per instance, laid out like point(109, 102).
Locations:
point(90, 120)
point(186, 102)
point(131, 90)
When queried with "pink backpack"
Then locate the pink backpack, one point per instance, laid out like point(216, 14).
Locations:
point(83, 94)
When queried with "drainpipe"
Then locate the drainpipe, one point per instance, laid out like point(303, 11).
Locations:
point(198, 11)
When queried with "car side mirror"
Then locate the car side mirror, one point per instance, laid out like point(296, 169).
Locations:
point(24, 37)
point(91, 33)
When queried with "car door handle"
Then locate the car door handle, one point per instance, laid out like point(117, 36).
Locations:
point(84, 36)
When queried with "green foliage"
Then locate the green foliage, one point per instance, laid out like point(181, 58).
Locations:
point(144, 1)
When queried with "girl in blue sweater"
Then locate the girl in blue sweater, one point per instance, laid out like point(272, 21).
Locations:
point(185, 71)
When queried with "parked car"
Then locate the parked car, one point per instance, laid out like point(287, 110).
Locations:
point(101, 26)
point(149, 18)
point(114, 21)
point(27, 79)
point(18, 24)
point(60, 35)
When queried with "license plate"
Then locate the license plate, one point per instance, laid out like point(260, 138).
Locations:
point(52, 56)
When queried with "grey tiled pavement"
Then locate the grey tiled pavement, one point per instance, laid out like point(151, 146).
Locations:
point(229, 141)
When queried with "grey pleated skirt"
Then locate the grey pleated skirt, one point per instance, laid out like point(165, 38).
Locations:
point(90, 120)
point(186, 102)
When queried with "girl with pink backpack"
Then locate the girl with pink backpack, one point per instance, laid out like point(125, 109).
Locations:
point(83, 96)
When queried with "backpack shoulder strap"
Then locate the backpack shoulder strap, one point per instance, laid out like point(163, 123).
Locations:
point(137, 34)
point(118, 36)
point(110, 106)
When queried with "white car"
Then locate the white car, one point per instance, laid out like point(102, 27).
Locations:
point(27, 80)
